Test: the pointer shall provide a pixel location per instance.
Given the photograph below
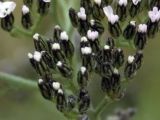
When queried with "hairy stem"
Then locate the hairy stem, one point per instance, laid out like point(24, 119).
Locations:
point(16, 79)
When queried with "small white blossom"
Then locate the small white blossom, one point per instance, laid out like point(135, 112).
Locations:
point(142, 28)
point(25, 9)
point(56, 46)
point(92, 35)
point(82, 14)
point(122, 2)
point(131, 59)
point(133, 23)
point(84, 39)
point(154, 15)
point(36, 36)
point(106, 47)
point(86, 50)
point(6, 8)
point(59, 64)
point(64, 36)
point(37, 56)
point(109, 13)
point(60, 91)
point(83, 69)
point(56, 85)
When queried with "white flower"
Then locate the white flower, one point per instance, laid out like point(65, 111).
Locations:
point(56, 46)
point(106, 47)
point(6, 8)
point(154, 15)
point(92, 35)
point(84, 39)
point(135, 2)
point(142, 28)
point(37, 56)
point(131, 59)
point(59, 64)
point(25, 9)
point(63, 35)
point(56, 85)
point(122, 2)
point(36, 36)
point(82, 14)
point(109, 13)
point(83, 69)
point(86, 50)
point(133, 23)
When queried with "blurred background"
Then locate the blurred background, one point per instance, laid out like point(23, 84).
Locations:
point(22, 103)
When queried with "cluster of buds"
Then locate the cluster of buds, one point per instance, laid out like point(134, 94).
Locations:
point(7, 17)
point(106, 59)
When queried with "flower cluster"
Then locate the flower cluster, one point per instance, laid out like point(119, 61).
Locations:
point(7, 17)
point(54, 58)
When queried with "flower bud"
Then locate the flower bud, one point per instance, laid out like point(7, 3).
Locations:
point(83, 22)
point(6, 15)
point(87, 5)
point(84, 101)
point(45, 89)
point(66, 45)
point(111, 85)
point(130, 68)
point(141, 37)
point(37, 62)
point(61, 100)
point(65, 70)
point(107, 54)
point(71, 102)
point(130, 30)
point(87, 57)
point(138, 59)
point(26, 17)
point(93, 39)
point(73, 17)
point(106, 69)
point(43, 6)
point(113, 21)
point(118, 57)
point(39, 43)
point(98, 9)
point(122, 9)
point(84, 42)
point(135, 7)
point(152, 24)
point(47, 58)
point(110, 42)
point(56, 33)
point(96, 26)
point(82, 77)
point(57, 53)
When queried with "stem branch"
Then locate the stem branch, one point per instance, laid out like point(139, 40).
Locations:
point(16, 79)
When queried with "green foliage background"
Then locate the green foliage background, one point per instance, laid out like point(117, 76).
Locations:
point(20, 103)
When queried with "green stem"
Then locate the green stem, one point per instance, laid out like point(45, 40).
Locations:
point(100, 108)
point(16, 79)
